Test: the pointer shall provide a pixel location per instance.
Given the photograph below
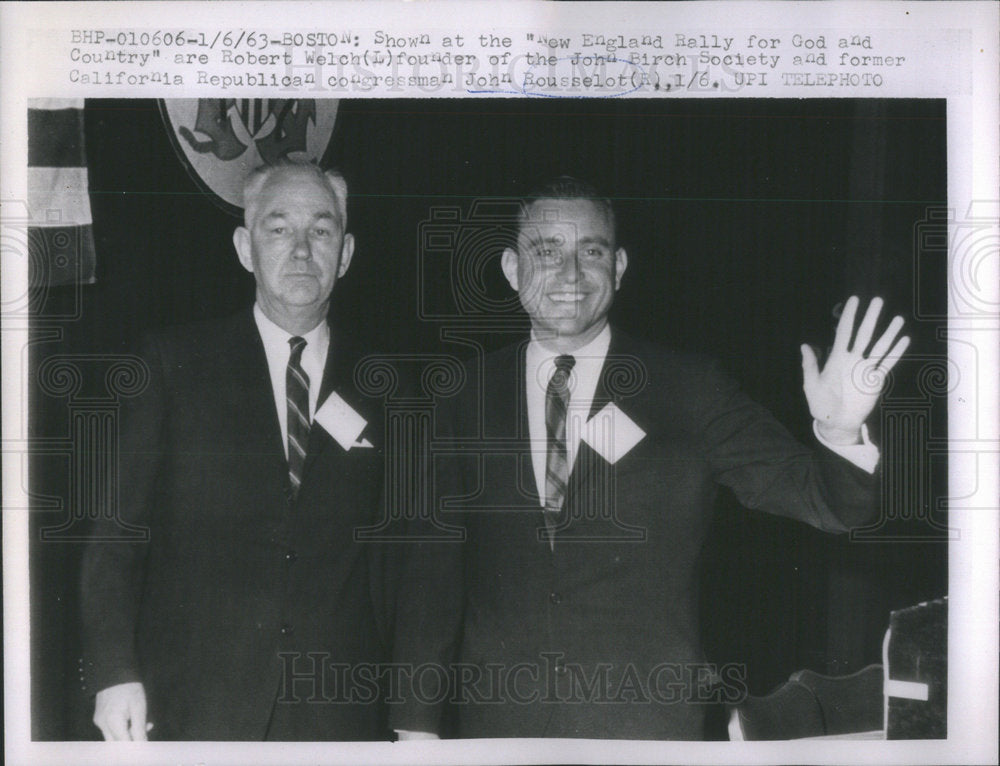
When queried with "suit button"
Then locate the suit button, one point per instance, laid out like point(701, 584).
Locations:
point(555, 598)
point(291, 556)
point(286, 630)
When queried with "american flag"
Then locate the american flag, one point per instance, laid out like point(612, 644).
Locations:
point(60, 233)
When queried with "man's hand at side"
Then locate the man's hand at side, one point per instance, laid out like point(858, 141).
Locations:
point(843, 394)
point(409, 736)
point(120, 712)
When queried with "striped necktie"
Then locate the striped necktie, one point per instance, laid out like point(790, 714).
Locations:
point(297, 398)
point(556, 465)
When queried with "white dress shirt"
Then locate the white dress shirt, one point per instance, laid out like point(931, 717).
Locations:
point(540, 363)
point(539, 366)
point(278, 351)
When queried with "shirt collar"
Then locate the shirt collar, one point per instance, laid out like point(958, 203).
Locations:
point(274, 337)
point(540, 361)
point(595, 348)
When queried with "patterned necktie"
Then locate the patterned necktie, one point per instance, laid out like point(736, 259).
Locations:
point(556, 465)
point(297, 398)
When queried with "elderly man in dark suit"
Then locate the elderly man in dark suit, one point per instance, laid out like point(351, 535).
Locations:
point(251, 459)
point(570, 610)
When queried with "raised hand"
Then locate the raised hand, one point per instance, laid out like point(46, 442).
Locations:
point(844, 392)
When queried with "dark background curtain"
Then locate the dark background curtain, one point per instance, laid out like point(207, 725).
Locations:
point(746, 222)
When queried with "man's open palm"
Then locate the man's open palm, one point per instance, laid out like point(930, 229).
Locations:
point(844, 392)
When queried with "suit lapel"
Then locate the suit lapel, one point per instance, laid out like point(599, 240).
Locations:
point(588, 463)
point(335, 378)
point(518, 396)
point(602, 398)
point(502, 414)
point(242, 357)
point(332, 369)
point(505, 416)
point(616, 356)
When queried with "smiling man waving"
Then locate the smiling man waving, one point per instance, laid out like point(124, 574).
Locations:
point(570, 610)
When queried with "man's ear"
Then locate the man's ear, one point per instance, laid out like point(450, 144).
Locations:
point(241, 241)
point(508, 262)
point(621, 263)
point(346, 253)
point(339, 186)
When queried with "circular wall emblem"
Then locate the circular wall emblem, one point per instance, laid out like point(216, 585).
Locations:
point(220, 140)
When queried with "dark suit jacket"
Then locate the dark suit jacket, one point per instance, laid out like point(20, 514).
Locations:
point(598, 637)
point(238, 583)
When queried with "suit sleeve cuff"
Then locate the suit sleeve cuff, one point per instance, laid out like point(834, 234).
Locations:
point(96, 679)
point(865, 455)
point(415, 717)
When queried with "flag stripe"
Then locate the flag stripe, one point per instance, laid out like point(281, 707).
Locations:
point(55, 138)
point(55, 103)
point(58, 196)
point(60, 235)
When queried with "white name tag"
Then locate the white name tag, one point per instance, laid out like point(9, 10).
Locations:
point(908, 690)
point(342, 422)
point(611, 433)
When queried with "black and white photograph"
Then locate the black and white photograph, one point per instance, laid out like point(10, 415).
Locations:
point(496, 426)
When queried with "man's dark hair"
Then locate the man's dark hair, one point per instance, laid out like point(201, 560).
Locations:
point(569, 187)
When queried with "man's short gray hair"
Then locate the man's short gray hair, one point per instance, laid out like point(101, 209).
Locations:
point(257, 179)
